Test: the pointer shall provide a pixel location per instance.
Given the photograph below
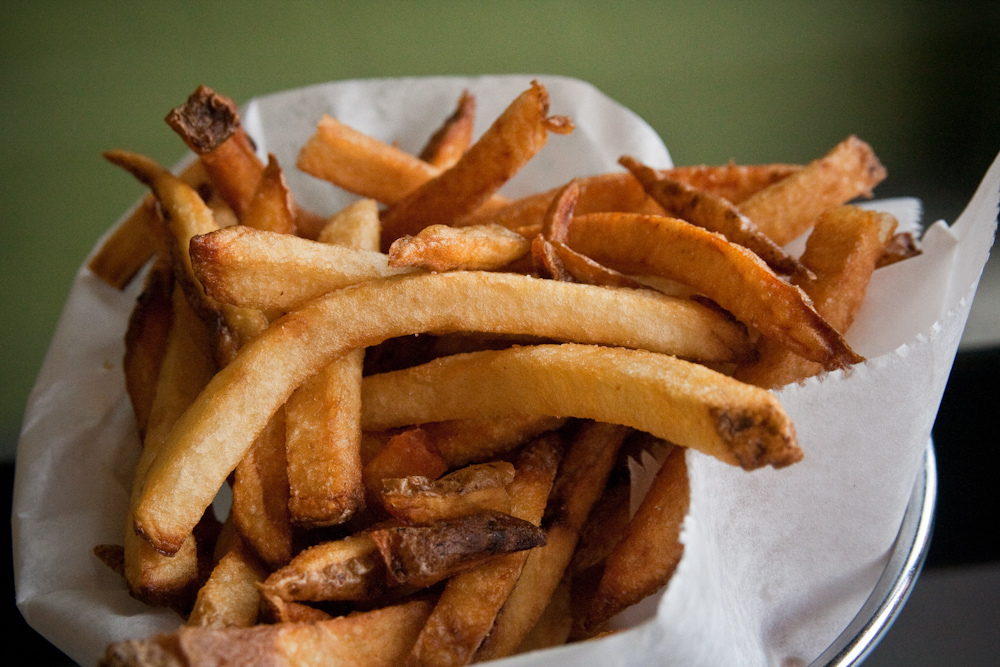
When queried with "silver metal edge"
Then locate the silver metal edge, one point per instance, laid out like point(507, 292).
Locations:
point(906, 559)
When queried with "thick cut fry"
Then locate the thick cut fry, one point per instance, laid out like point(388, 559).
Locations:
point(728, 274)
point(471, 600)
point(423, 555)
point(417, 500)
point(678, 401)
point(229, 598)
point(733, 182)
point(580, 482)
point(451, 140)
point(513, 139)
point(649, 551)
point(146, 341)
point(185, 370)
point(346, 640)
point(275, 272)
point(362, 164)
point(214, 434)
point(843, 252)
point(714, 213)
point(444, 248)
point(466, 441)
point(324, 414)
point(346, 569)
point(787, 209)
point(355, 226)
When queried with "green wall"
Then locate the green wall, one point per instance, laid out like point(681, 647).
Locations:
point(762, 81)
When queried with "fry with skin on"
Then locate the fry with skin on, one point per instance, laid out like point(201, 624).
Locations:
point(843, 252)
point(347, 569)
point(678, 401)
point(579, 483)
point(733, 182)
point(407, 454)
point(471, 600)
point(417, 500)
point(787, 209)
point(229, 597)
point(271, 208)
point(445, 248)
point(450, 141)
point(513, 139)
point(146, 341)
point(465, 441)
point(726, 273)
point(713, 213)
point(649, 551)
point(344, 640)
point(355, 226)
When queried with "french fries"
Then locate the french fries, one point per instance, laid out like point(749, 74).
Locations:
point(462, 494)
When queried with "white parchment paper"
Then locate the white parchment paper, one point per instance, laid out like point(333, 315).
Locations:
point(776, 563)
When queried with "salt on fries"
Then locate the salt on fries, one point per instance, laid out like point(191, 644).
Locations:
point(428, 406)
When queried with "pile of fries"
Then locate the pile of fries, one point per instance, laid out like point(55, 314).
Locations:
point(425, 404)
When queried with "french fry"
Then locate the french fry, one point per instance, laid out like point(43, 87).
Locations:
point(406, 454)
point(678, 401)
point(451, 140)
point(355, 226)
point(343, 640)
point(445, 248)
point(555, 624)
point(471, 600)
point(461, 442)
point(649, 551)
point(513, 139)
point(185, 369)
point(362, 164)
point(788, 208)
point(728, 274)
point(901, 246)
point(580, 482)
point(423, 555)
point(271, 208)
point(417, 500)
point(229, 597)
point(715, 214)
point(347, 569)
point(733, 182)
point(843, 252)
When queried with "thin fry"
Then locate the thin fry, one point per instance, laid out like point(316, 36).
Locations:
point(451, 140)
point(445, 248)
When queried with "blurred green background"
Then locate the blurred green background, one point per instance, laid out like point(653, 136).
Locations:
point(762, 81)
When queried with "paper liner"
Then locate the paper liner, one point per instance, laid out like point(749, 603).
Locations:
point(777, 562)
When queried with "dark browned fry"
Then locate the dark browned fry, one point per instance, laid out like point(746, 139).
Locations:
point(346, 569)
point(901, 246)
point(450, 141)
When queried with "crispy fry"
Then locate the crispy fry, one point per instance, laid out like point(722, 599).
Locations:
point(423, 555)
point(466, 441)
point(678, 401)
point(346, 569)
point(516, 135)
point(714, 213)
point(444, 248)
point(417, 500)
point(901, 246)
point(362, 164)
point(355, 226)
point(406, 454)
point(734, 182)
point(787, 209)
point(186, 368)
point(271, 208)
point(471, 600)
point(229, 597)
point(843, 251)
point(730, 275)
point(584, 270)
point(581, 479)
point(649, 551)
point(343, 640)
point(450, 141)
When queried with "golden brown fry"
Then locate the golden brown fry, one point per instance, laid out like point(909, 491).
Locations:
point(186, 368)
point(417, 500)
point(788, 208)
point(271, 208)
point(128, 248)
point(555, 225)
point(216, 432)
point(901, 246)
point(146, 341)
point(450, 141)
point(649, 551)
point(466, 441)
point(513, 139)
point(677, 401)
point(362, 164)
point(406, 454)
point(728, 274)
point(583, 269)
point(229, 598)
point(471, 600)
point(713, 213)
point(355, 226)
point(581, 479)
point(344, 640)
point(260, 495)
point(423, 555)
point(275, 272)
point(842, 251)
point(734, 182)
point(347, 569)
point(444, 248)
point(546, 261)
point(555, 624)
